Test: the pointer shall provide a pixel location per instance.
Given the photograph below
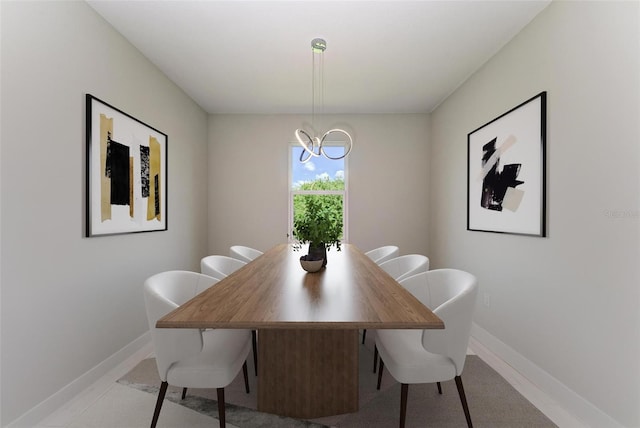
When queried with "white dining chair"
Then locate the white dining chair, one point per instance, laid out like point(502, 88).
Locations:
point(192, 358)
point(382, 254)
point(246, 254)
point(220, 267)
point(432, 356)
point(405, 266)
point(400, 268)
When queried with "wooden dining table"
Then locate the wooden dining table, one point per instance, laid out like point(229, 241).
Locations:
point(307, 324)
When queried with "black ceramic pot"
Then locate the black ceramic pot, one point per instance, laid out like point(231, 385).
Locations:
point(317, 251)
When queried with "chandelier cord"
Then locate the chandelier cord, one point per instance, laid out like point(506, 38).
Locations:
point(317, 89)
point(313, 91)
point(321, 89)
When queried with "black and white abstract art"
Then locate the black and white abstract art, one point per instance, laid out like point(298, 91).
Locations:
point(126, 172)
point(506, 171)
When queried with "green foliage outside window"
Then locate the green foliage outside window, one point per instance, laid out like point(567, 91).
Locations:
point(318, 218)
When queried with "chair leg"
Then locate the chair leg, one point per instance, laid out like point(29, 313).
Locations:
point(404, 392)
point(254, 343)
point(246, 377)
point(364, 335)
point(463, 400)
point(221, 413)
point(380, 373)
point(184, 393)
point(439, 388)
point(375, 357)
point(156, 412)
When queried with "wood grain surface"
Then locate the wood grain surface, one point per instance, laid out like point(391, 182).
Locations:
point(308, 373)
point(274, 292)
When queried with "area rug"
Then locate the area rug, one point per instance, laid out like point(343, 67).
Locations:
point(493, 403)
point(240, 407)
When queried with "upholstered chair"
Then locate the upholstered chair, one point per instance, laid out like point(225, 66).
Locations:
point(192, 358)
point(432, 356)
point(400, 268)
point(382, 254)
point(405, 266)
point(220, 267)
point(246, 254)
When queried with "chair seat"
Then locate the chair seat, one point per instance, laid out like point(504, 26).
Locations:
point(408, 361)
point(223, 354)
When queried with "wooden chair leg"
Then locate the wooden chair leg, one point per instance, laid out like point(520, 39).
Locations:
point(404, 392)
point(380, 373)
point(184, 393)
point(375, 358)
point(156, 412)
point(221, 413)
point(246, 377)
point(364, 335)
point(463, 400)
point(439, 388)
point(254, 343)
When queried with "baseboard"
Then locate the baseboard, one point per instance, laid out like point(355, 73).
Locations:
point(568, 399)
point(138, 347)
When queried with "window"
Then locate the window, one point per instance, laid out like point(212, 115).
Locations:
point(320, 178)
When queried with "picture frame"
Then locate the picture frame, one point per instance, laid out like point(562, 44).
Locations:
point(506, 171)
point(126, 172)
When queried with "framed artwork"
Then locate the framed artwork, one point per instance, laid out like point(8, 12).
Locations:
point(506, 186)
point(126, 172)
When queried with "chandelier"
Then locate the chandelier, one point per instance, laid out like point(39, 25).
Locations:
point(313, 144)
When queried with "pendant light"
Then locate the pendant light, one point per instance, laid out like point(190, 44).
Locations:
point(313, 144)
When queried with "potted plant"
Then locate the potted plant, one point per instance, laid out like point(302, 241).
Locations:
point(317, 222)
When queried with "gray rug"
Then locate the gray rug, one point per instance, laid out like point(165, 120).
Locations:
point(240, 406)
point(493, 403)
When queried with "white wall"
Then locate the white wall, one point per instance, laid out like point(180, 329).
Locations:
point(568, 303)
point(388, 180)
point(70, 302)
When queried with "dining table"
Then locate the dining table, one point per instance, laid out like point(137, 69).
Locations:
point(307, 323)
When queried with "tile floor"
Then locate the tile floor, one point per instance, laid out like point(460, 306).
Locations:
point(107, 404)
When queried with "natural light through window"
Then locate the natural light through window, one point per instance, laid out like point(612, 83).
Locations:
point(320, 178)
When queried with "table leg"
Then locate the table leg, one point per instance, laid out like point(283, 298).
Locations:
point(308, 373)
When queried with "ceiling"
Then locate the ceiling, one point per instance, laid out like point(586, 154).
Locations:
point(255, 56)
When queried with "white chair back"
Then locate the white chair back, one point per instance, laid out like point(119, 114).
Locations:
point(451, 295)
point(382, 254)
point(246, 254)
point(220, 267)
point(404, 266)
point(418, 286)
point(163, 293)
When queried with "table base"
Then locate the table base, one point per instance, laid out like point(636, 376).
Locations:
point(307, 373)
